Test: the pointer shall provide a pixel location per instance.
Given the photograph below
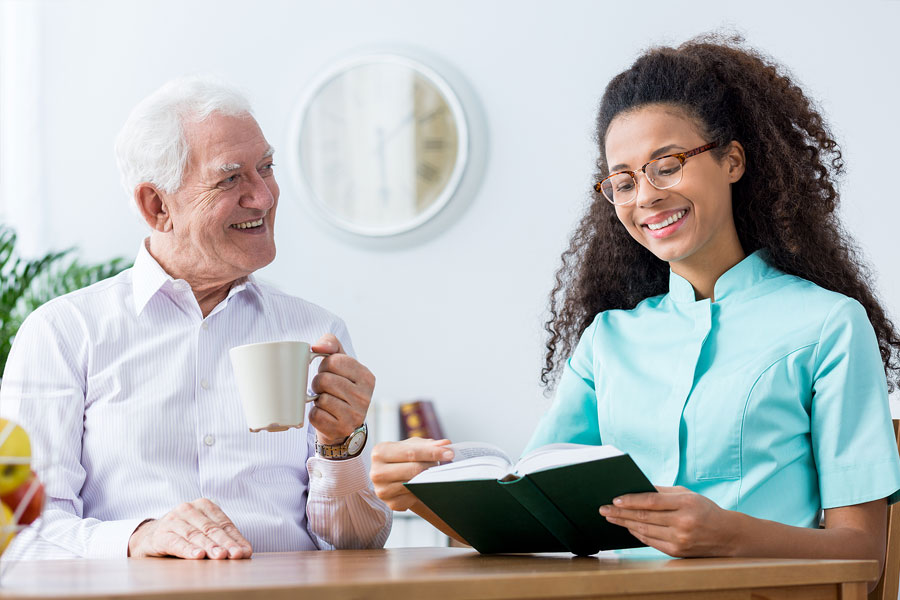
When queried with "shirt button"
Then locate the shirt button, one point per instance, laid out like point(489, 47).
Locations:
point(209, 440)
point(204, 384)
point(178, 286)
point(204, 325)
point(317, 474)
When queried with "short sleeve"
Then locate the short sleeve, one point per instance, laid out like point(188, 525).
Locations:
point(852, 436)
point(573, 416)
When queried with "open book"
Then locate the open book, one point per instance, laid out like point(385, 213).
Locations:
point(548, 501)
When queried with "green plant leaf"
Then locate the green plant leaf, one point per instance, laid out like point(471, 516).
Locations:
point(27, 284)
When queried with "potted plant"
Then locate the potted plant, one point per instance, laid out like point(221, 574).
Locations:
point(25, 284)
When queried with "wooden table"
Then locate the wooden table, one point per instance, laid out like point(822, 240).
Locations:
point(437, 573)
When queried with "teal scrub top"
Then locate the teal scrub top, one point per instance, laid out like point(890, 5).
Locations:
point(771, 401)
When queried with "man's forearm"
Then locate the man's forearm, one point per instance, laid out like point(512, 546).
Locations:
point(65, 535)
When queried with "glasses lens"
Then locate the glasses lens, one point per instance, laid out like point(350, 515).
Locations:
point(619, 188)
point(665, 172)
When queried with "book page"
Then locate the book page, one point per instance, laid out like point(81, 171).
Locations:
point(471, 460)
point(482, 467)
point(558, 455)
point(469, 450)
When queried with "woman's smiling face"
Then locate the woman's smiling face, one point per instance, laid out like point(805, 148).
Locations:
point(692, 221)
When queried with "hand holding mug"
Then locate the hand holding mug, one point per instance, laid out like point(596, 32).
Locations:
point(344, 387)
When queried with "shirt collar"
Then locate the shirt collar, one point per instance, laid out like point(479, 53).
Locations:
point(746, 274)
point(148, 278)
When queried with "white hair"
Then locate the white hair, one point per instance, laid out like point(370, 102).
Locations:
point(151, 146)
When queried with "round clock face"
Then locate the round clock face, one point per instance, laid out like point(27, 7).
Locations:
point(382, 144)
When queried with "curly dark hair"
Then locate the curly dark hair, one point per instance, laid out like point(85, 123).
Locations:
point(732, 93)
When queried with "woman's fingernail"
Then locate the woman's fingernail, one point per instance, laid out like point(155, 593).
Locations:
point(196, 552)
point(604, 510)
point(617, 501)
point(447, 454)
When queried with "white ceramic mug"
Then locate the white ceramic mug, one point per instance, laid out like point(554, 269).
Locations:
point(272, 382)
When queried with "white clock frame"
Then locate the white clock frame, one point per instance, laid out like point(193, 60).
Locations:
point(462, 119)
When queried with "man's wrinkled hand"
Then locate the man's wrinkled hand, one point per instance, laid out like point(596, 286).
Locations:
point(195, 529)
point(345, 389)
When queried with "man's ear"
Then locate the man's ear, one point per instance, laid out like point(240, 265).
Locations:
point(152, 205)
point(736, 161)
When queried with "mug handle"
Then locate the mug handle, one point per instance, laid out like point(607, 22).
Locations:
point(312, 357)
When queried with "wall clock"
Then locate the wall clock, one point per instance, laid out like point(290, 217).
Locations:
point(381, 143)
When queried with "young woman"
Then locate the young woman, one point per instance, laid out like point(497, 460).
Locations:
point(716, 322)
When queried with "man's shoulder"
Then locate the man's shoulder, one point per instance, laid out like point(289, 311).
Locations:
point(95, 298)
point(283, 301)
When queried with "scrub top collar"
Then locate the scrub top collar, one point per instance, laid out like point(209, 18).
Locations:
point(746, 274)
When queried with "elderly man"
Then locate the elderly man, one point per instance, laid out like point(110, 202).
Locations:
point(126, 385)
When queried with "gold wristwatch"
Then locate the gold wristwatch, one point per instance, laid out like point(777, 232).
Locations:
point(350, 447)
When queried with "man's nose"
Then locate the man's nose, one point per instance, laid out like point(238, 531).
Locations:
point(257, 194)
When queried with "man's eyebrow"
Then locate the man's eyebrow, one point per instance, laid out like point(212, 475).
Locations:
point(229, 167)
point(656, 154)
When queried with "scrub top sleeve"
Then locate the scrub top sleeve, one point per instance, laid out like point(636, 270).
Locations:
point(852, 437)
point(573, 416)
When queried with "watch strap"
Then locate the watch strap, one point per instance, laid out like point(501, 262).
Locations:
point(342, 451)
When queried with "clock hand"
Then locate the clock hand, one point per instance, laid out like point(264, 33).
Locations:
point(399, 126)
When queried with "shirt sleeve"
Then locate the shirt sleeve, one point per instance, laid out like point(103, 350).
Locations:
point(44, 390)
point(342, 509)
point(573, 416)
point(852, 436)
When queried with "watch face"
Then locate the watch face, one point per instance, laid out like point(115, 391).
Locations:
point(382, 144)
point(355, 443)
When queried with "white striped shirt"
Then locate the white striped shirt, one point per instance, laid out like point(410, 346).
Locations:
point(129, 399)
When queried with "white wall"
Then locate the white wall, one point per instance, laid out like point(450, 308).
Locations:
point(457, 318)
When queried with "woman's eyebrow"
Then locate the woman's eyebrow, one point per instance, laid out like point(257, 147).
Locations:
point(655, 154)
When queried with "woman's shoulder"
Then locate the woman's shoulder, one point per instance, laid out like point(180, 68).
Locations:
point(797, 296)
point(644, 308)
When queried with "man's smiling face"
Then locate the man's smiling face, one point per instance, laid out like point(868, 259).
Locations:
point(222, 217)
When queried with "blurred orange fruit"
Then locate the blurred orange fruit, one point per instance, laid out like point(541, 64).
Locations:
point(14, 445)
point(7, 528)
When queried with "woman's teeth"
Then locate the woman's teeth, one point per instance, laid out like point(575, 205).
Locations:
point(667, 222)
point(248, 224)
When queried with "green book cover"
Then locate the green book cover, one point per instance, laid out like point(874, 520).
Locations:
point(549, 510)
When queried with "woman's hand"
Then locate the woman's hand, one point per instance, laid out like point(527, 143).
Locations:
point(676, 521)
point(395, 463)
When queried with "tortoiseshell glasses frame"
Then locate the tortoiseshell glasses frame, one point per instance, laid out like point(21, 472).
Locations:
point(620, 188)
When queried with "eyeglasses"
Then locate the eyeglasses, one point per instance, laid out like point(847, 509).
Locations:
point(662, 173)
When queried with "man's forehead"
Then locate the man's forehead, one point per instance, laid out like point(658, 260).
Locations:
point(221, 140)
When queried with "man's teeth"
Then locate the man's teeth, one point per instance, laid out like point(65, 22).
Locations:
point(248, 224)
point(667, 222)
